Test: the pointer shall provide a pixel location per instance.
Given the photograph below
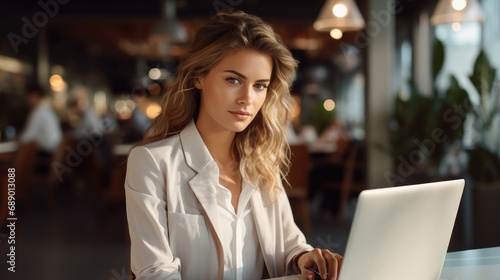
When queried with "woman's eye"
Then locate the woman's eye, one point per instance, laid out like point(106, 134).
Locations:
point(232, 80)
point(261, 86)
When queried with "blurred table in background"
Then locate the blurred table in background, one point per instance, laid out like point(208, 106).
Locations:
point(116, 191)
point(8, 147)
point(7, 152)
point(121, 150)
point(322, 148)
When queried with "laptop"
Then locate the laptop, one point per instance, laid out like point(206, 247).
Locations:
point(401, 232)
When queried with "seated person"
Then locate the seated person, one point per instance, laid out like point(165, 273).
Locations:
point(203, 189)
point(90, 123)
point(42, 126)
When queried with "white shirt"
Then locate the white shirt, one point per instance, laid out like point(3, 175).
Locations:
point(174, 218)
point(43, 128)
point(242, 256)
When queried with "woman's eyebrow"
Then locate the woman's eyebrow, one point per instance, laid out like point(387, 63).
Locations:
point(245, 77)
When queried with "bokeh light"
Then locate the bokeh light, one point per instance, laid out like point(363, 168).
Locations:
point(153, 110)
point(336, 33)
point(340, 10)
point(329, 105)
point(459, 4)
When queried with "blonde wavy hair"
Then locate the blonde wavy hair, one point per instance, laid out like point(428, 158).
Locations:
point(261, 147)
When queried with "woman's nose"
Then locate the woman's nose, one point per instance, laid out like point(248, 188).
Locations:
point(245, 96)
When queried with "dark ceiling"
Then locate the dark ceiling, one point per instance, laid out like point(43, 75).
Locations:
point(123, 27)
point(282, 10)
point(113, 34)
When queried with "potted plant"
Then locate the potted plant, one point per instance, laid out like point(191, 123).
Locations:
point(484, 157)
point(417, 117)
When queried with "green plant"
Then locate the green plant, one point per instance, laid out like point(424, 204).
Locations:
point(417, 117)
point(484, 163)
point(321, 117)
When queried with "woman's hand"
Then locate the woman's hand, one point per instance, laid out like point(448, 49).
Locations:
point(325, 261)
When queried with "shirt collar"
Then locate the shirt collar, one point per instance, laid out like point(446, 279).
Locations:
point(195, 151)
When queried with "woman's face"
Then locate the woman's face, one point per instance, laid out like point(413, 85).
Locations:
point(233, 92)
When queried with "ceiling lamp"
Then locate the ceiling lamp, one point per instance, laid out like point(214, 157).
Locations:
point(169, 29)
point(343, 15)
point(457, 10)
point(336, 34)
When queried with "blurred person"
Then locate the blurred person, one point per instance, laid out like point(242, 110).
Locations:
point(203, 189)
point(90, 128)
point(294, 126)
point(140, 122)
point(89, 125)
point(42, 126)
point(308, 135)
point(336, 133)
point(291, 136)
point(336, 142)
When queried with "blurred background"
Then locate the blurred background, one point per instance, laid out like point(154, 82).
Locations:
point(387, 93)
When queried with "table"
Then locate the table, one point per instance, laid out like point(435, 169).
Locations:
point(7, 152)
point(478, 264)
point(116, 192)
point(8, 147)
point(122, 149)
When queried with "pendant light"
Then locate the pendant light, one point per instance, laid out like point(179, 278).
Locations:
point(456, 11)
point(169, 29)
point(343, 15)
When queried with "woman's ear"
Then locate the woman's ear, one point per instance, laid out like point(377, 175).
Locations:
point(198, 82)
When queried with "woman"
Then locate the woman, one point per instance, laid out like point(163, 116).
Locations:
point(204, 194)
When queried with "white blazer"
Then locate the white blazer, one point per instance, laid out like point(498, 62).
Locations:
point(173, 217)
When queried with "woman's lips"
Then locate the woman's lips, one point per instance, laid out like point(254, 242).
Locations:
point(240, 116)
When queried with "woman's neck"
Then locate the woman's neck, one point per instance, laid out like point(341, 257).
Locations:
point(218, 142)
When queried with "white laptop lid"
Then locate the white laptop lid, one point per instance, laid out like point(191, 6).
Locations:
point(402, 232)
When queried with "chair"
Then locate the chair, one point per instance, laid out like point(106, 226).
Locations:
point(24, 165)
point(352, 182)
point(298, 178)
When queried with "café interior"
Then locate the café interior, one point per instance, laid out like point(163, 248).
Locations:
point(387, 93)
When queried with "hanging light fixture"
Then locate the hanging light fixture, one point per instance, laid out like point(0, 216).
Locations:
point(456, 11)
point(343, 15)
point(169, 29)
point(336, 34)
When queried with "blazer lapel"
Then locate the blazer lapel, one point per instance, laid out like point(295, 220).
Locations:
point(263, 227)
point(198, 158)
point(204, 190)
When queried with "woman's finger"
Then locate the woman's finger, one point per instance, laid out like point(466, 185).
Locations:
point(308, 274)
point(317, 256)
point(340, 259)
point(306, 260)
point(333, 265)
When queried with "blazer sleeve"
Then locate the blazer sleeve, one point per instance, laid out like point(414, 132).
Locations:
point(151, 256)
point(294, 240)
